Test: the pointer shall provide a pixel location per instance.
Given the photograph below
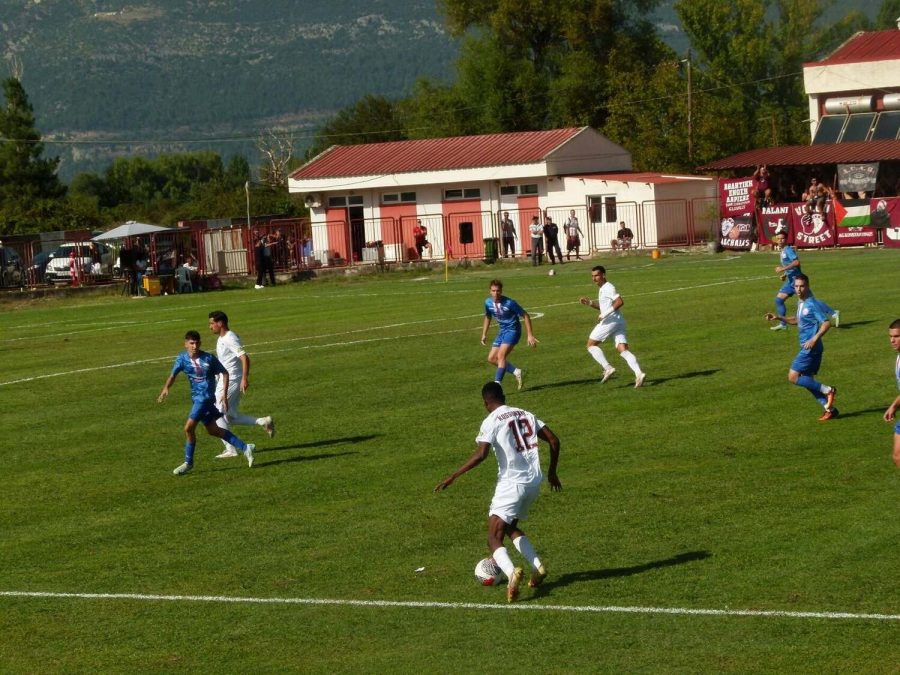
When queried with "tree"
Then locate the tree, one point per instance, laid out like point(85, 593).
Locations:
point(372, 119)
point(530, 64)
point(887, 15)
point(750, 57)
point(28, 182)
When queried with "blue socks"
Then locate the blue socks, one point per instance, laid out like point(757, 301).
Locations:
point(814, 387)
point(189, 452)
point(780, 308)
point(510, 368)
point(229, 437)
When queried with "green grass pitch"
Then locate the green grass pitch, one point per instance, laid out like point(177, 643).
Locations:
point(714, 487)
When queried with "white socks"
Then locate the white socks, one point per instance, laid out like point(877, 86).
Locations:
point(504, 562)
point(632, 362)
point(599, 357)
point(527, 550)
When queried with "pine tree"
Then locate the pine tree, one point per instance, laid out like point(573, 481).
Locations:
point(28, 182)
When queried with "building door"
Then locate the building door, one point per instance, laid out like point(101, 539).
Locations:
point(356, 218)
point(603, 215)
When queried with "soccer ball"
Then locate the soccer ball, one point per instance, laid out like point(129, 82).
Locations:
point(552, 272)
point(488, 573)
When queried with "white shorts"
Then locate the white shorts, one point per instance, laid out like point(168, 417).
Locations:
point(511, 500)
point(606, 329)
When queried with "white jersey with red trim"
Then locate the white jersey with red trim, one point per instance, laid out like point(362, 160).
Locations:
point(513, 434)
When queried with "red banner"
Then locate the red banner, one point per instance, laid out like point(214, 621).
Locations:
point(811, 230)
point(736, 197)
point(736, 204)
point(774, 218)
point(886, 216)
point(736, 233)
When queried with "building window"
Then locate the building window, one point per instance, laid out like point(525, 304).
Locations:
point(531, 189)
point(462, 193)
point(398, 198)
point(611, 214)
point(339, 202)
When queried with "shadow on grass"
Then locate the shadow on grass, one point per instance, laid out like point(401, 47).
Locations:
point(858, 413)
point(318, 444)
point(257, 464)
point(849, 325)
point(595, 575)
point(656, 381)
point(301, 458)
point(567, 383)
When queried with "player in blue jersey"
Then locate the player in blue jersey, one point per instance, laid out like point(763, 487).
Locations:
point(813, 322)
point(789, 269)
point(507, 312)
point(201, 369)
point(894, 333)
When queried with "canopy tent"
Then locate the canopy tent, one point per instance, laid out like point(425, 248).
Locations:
point(130, 229)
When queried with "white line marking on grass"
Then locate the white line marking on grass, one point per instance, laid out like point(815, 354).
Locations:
point(412, 604)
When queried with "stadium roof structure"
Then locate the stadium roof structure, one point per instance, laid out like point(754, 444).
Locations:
point(807, 155)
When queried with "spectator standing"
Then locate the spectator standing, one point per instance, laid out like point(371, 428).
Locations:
point(573, 236)
point(420, 236)
point(551, 234)
point(259, 242)
point(508, 234)
point(537, 241)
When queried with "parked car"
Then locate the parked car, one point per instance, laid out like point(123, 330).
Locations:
point(34, 273)
point(90, 258)
point(11, 269)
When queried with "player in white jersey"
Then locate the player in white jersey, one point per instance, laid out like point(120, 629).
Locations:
point(611, 323)
point(231, 353)
point(894, 334)
point(513, 434)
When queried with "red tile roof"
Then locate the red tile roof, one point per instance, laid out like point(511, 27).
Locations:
point(882, 45)
point(435, 154)
point(790, 155)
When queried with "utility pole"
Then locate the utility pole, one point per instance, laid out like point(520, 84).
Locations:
point(690, 109)
point(247, 192)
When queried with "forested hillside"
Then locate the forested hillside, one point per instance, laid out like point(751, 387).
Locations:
point(183, 75)
point(186, 71)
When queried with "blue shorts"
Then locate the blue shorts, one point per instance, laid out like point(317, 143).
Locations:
point(787, 288)
point(507, 337)
point(205, 412)
point(807, 362)
point(897, 427)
